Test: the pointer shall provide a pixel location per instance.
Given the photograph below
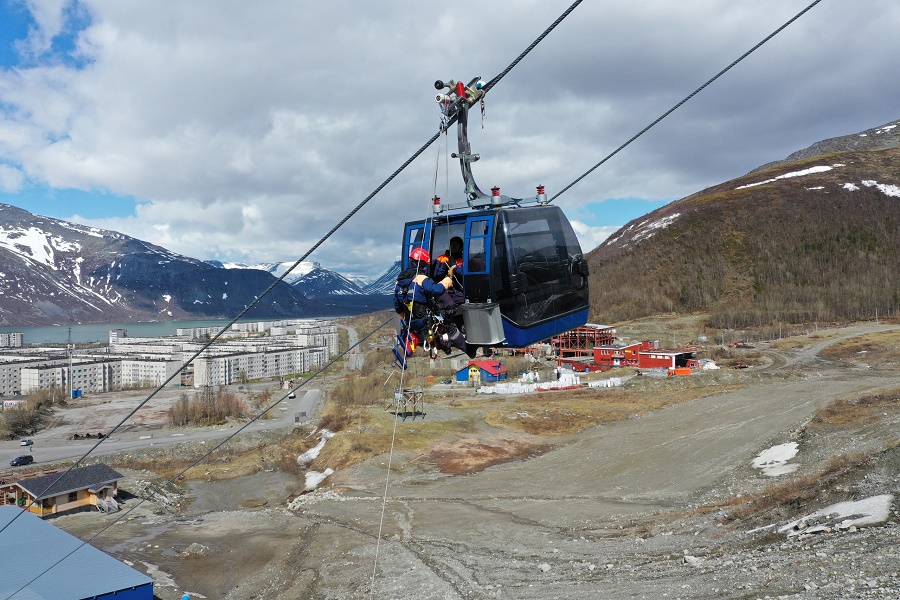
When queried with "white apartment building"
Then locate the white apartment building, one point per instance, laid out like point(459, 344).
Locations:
point(11, 340)
point(318, 335)
point(162, 348)
point(136, 362)
point(40, 377)
point(227, 369)
point(89, 377)
point(10, 377)
point(152, 372)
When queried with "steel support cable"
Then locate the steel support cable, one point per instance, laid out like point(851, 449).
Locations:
point(201, 459)
point(688, 97)
point(531, 47)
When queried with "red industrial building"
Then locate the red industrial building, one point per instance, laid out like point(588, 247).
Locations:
point(581, 341)
point(576, 351)
point(644, 355)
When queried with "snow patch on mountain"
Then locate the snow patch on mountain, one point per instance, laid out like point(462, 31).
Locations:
point(888, 189)
point(645, 229)
point(276, 269)
point(809, 171)
point(36, 244)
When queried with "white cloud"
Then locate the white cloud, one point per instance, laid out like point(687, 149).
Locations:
point(590, 237)
point(10, 179)
point(249, 130)
point(49, 20)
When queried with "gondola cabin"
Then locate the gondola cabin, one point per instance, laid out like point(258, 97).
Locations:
point(524, 277)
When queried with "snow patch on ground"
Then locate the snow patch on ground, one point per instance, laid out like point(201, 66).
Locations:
point(314, 478)
point(311, 454)
point(888, 189)
point(773, 461)
point(159, 576)
point(843, 515)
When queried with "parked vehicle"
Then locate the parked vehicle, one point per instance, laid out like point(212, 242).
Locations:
point(25, 459)
point(25, 443)
point(292, 395)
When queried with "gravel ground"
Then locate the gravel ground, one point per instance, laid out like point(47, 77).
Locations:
point(638, 509)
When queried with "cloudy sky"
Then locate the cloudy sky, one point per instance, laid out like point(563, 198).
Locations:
point(244, 131)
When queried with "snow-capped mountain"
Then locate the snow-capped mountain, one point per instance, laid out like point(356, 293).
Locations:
point(276, 269)
point(384, 284)
point(309, 278)
point(334, 294)
point(314, 281)
point(53, 271)
point(322, 282)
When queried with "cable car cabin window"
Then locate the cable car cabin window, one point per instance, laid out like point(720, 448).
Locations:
point(414, 237)
point(479, 243)
point(476, 257)
point(441, 234)
point(540, 248)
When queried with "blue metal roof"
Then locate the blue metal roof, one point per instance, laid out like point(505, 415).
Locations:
point(30, 547)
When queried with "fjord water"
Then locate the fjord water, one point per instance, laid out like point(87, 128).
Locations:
point(99, 332)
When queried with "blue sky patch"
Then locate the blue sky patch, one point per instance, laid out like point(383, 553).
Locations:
point(15, 24)
point(15, 21)
point(62, 204)
point(615, 211)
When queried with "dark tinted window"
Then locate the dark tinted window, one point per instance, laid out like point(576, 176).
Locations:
point(540, 245)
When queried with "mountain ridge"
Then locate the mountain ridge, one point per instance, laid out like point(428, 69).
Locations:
point(813, 238)
point(54, 271)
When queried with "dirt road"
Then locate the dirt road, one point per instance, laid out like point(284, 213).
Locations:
point(148, 426)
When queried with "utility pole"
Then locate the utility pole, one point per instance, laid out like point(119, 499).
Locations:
point(69, 348)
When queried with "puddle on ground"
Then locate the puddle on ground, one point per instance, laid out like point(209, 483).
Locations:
point(265, 489)
point(134, 543)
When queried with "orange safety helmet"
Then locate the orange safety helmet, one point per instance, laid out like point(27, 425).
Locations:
point(419, 253)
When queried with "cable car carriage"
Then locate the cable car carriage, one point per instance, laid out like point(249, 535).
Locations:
point(524, 276)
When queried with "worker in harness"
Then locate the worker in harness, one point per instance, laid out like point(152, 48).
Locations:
point(452, 258)
point(416, 301)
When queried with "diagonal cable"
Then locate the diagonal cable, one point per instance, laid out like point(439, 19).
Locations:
point(688, 97)
point(199, 460)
